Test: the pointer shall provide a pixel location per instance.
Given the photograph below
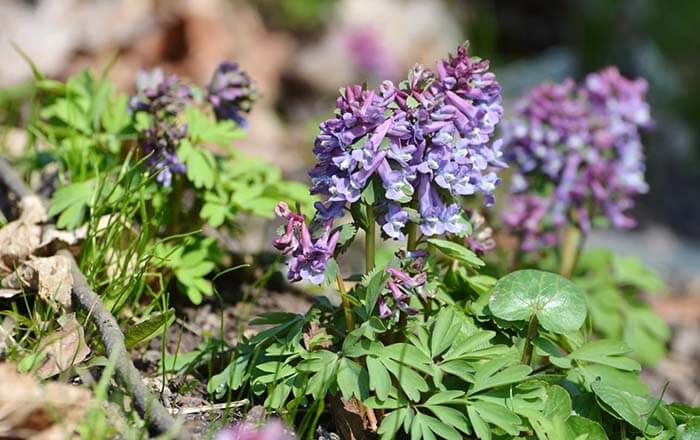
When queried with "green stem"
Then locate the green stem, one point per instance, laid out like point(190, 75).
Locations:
point(531, 333)
point(570, 251)
point(370, 240)
point(412, 236)
point(347, 309)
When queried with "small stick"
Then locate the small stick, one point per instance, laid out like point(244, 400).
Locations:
point(207, 408)
point(112, 337)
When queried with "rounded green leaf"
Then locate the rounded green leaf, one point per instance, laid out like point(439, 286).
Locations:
point(559, 305)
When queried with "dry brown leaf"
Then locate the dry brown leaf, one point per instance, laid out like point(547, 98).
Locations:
point(54, 280)
point(31, 410)
point(9, 293)
point(63, 348)
point(19, 238)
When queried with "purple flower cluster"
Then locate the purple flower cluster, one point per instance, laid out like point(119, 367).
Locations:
point(231, 92)
point(309, 255)
point(273, 430)
point(578, 155)
point(402, 285)
point(163, 98)
point(427, 142)
point(481, 239)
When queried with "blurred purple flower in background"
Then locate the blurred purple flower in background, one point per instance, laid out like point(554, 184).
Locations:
point(231, 92)
point(273, 430)
point(369, 55)
point(578, 155)
point(157, 94)
point(403, 284)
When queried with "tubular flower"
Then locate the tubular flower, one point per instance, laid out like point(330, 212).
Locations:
point(578, 154)
point(401, 285)
point(309, 255)
point(273, 430)
point(163, 98)
point(231, 92)
point(481, 240)
point(427, 142)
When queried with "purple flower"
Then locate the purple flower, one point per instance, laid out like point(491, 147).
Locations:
point(427, 140)
point(273, 430)
point(481, 240)
point(401, 286)
point(159, 143)
point(369, 55)
point(231, 92)
point(163, 98)
point(578, 152)
point(157, 94)
point(309, 255)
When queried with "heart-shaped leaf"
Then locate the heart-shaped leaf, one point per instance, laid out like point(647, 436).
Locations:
point(559, 305)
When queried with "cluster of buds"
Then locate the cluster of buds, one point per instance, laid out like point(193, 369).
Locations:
point(163, 98)
point(309, 256)
point(578, 155)
point(402, 285)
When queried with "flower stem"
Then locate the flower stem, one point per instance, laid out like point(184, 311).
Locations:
point(531, 333)
point(570, 250)
point(370, 239)
point(349, 323)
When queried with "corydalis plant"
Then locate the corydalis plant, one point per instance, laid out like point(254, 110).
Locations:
point(578, 155)
point(402, 156)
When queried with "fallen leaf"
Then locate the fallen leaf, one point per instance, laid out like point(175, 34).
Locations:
point(19, 238)
point(63, 348)
point(31, 410)
point(54, 280)
point(9, 293)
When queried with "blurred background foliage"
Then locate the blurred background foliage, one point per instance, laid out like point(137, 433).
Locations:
point(302, 51)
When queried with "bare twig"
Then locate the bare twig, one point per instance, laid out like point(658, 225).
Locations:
point(113, 339)
point(208, 408)
point(155, 414)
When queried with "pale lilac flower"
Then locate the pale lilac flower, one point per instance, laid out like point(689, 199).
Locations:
point(309, 255)
point(273, 430)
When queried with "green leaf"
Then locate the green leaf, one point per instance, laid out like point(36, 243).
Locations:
point(375, 286)
point(442, 397)
point(471, 347)
point(582, 426)
point(631, 271)
point(148, 329)
point(481, 428)
point(558, 402)
point(456, 252)
point(407, 354)
point(497, 415)
point(558, 304)
point(438, 427)
point(496, 373)
point(606, 352)
point(450, 416)
point(444, 332)
point(201, 128)
point(391, 424)
point(201, 165)
point(72, 201)
point(379, 380)
point(633, 408)
point(410, 382)
point(691, 430)
point(352, 379)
